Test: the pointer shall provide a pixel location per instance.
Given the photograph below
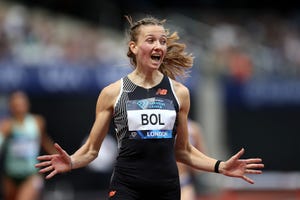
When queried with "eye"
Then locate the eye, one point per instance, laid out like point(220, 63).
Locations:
point(163, 41)
point(150, 40)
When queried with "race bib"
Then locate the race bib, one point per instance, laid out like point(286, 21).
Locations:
point(152, 118)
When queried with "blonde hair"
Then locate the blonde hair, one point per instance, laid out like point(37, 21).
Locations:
point(176, 61)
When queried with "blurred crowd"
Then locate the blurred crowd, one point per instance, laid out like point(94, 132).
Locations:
point(240, 45)
point(35, 37)
point(244, 45)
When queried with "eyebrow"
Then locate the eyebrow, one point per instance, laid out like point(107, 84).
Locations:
point(147, 35)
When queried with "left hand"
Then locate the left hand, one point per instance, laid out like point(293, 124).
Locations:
point(236, 167)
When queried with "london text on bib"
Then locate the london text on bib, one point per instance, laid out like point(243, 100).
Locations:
point(151, 118)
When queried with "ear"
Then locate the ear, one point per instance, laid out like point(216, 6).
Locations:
point(133, 47)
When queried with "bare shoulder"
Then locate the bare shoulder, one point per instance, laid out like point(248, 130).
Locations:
point(181, 90)
point(39, 119)
point(6, 126)
point(112, 90)
point(108, 95)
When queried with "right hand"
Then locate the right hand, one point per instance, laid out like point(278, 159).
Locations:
point(56, 163)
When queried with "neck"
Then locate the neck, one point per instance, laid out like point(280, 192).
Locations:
point(146, 80)
point(19, 118)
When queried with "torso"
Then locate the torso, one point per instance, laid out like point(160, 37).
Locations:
point(145, 122)
point(22, 148)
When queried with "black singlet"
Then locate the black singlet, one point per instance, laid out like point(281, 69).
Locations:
point(145, 123)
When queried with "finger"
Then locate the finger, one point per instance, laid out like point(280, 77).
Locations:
point(59, 149)
point(239, 154)
point(62, 151)
point(46, 169)
point(255, 166)
point(253, 160)
point(249, 180)
point(252, 171)
point(43, 164)
point(45, 157)
point(53, 173)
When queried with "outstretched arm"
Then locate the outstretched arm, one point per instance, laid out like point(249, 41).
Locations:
point(62, 162)
point(189, 155)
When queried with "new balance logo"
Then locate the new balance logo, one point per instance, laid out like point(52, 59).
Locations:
point(112, 193)
point(161, 91)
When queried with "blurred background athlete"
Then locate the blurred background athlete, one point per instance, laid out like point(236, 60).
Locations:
point(23, 134)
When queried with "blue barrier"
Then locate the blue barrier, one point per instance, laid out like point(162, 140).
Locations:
point(58, 79)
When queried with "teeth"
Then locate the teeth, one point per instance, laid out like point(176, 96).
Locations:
point(155, 57)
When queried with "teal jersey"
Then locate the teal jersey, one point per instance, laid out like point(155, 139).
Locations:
point(22, 148)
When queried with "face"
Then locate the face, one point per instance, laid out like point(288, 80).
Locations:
point(19, 104)
point(151, 46)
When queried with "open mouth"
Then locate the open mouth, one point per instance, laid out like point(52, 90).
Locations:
point(156, 57)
